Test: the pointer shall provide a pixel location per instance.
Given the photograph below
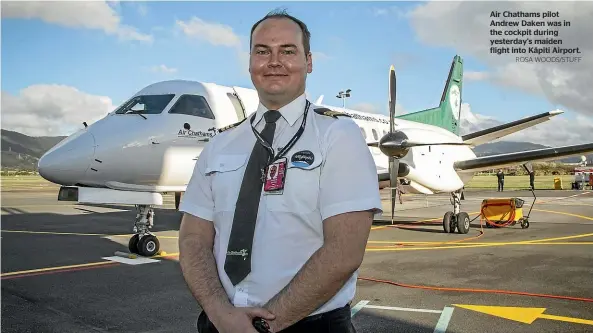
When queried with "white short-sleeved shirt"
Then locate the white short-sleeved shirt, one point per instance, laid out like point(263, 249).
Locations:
point(341, 178)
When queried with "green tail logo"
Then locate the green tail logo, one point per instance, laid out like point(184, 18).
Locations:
point(447, 115)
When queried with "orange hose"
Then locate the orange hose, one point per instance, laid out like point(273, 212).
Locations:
point(490, 291)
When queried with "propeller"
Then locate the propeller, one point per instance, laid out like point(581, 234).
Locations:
point(396, 143)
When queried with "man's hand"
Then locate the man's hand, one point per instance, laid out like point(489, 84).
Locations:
point(324, 274)
point(238, 319)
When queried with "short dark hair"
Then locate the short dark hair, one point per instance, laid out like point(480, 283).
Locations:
point(281, 13)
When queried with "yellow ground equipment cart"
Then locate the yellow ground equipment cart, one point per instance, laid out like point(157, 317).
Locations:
point(503, 212)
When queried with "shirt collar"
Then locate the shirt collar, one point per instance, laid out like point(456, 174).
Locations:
point(290, 112)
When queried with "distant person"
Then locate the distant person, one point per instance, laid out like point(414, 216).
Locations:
point(532, 180)
point(500, 176)
point(293, 259)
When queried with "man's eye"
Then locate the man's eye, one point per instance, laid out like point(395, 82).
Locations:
point(289, 51)
point(261, 52)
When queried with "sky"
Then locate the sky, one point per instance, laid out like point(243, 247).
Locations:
point(68, 62)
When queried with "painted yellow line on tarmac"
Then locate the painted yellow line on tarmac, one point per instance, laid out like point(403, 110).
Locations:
point(564, 213)
point(541, 242)
point(66, 267)
point(53, 233)
point(38, 270)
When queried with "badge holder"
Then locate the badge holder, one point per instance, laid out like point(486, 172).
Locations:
point(275, 176)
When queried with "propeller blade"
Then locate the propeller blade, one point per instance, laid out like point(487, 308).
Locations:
point(393, 172)
point(373, 144)
point(391, 98)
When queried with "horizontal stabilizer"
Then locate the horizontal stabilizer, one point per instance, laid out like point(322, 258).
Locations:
point(511, 159)
point(497, 132)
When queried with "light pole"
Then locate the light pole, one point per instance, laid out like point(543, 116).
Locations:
point(343, 95)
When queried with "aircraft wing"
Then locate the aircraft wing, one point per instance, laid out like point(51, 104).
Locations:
point(493, 133)
point(537, 155)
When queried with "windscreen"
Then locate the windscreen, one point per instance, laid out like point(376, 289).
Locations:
point(146, 104)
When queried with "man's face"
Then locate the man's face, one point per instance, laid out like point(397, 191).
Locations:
point(278, 63)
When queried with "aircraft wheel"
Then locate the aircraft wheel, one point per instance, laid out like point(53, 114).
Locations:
point(463, 223)
point(133, 244)
point(148, 246)
point(448, 222)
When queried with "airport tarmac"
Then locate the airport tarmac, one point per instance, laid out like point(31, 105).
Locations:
point(59, 273)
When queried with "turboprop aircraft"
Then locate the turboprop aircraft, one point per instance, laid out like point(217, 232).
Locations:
point(149, 145)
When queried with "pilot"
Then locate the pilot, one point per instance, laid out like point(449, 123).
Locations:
point(282, 253)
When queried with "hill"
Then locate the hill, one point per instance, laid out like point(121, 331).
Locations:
point(22, 152)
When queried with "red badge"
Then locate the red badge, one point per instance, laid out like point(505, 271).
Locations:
point(275, 175)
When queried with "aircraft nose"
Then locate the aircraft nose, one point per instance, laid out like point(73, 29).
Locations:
point(67, 162)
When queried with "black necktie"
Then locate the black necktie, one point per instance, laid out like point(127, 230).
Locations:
point(238, 259)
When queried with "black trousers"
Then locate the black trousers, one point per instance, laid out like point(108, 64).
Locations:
point(334, 321)
point(500, 185)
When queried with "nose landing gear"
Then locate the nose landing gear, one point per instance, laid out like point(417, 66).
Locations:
point(144, 242)
point(456, 219)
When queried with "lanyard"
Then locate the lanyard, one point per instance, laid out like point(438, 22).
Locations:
point(290, 143)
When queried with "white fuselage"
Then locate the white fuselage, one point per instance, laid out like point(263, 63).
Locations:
point(158, 154)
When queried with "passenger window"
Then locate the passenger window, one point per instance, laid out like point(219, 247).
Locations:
point(364, 134)
point(192, 105)
point(375, 135)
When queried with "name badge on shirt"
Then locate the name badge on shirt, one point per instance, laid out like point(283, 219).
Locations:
point(275, 176)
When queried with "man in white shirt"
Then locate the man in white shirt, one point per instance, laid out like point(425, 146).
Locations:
point(278, 231)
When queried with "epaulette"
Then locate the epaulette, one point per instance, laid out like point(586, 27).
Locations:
point(220, 130)
point(330, 113)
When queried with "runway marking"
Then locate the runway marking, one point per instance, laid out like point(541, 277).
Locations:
point(68, 268)
point(476, 245)
point(129, 261)
point(564, 213)
point(521, 314)
point(54, 233)
point(444, 320)
point(358, 307)
point(395, 308)
point(78, 234)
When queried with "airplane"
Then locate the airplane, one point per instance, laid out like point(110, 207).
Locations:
point(149, 145)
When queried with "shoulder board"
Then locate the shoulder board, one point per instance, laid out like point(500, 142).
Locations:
point(220, 130)
point(330, 113)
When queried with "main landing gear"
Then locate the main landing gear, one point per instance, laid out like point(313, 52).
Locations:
point(144, 242)
point(456, 219)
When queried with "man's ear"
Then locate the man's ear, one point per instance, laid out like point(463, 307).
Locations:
point(309, 63)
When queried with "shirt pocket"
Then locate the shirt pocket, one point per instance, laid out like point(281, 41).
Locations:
point(227, 174)
point(301, 184)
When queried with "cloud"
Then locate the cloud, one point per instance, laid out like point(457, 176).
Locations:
point(218, 34)
point(373, 108)
point(163, 69)
point(561, 83)
point(75, 14)
point(52, 110)
point(475, 76)
point(214, 33)
point(558, 131)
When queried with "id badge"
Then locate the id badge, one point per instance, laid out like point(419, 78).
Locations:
point(275, 176)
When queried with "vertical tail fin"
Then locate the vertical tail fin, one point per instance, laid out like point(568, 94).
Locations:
point(447, 114)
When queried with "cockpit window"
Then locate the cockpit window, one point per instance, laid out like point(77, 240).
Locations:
point(192, 105)
point(146, 104)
